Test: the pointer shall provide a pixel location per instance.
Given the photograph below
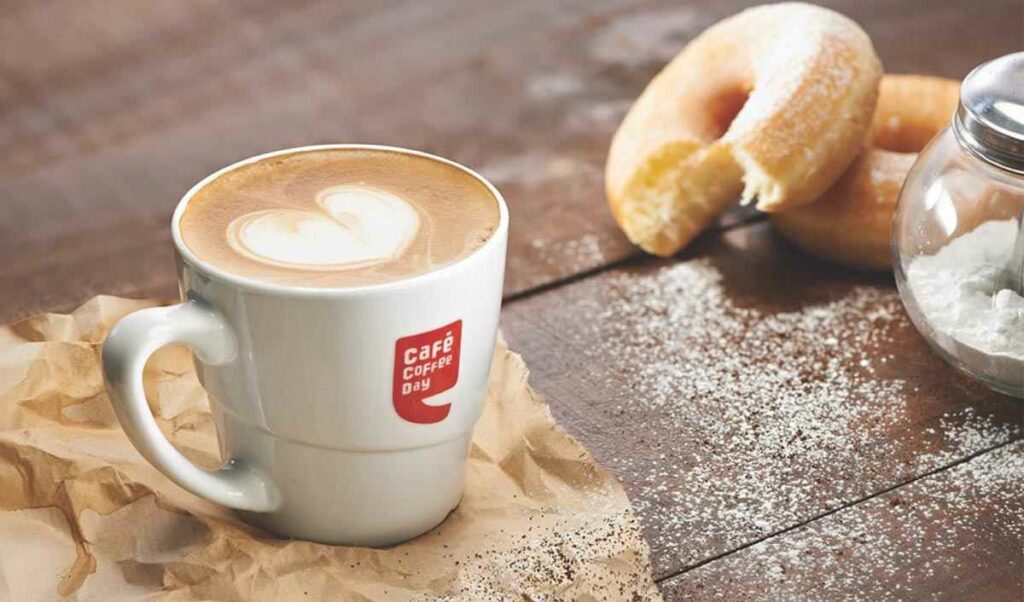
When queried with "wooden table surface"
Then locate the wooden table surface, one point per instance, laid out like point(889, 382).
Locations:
point(780, 426)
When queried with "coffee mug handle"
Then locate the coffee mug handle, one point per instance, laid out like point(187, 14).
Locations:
point(128, 346)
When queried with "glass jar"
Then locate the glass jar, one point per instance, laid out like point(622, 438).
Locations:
point(957, 253)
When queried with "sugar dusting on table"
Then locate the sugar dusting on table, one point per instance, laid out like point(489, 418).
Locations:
point(756, 421)
point(880, 549)
point(575, 254)
point(643, 38)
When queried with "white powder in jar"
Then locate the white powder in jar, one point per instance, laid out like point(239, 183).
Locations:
point(959, 291)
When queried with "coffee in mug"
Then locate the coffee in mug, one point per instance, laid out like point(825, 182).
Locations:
point(339, 217)
point(342, 302)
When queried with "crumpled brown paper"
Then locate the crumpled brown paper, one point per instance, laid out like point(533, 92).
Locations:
point(83, 515)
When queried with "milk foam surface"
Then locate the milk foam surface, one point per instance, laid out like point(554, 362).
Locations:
point(339, 217)
point(356, 226)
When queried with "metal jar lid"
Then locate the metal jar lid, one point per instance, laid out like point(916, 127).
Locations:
point(990, 119)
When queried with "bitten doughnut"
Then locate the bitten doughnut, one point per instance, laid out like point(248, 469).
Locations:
point(851, 223)
point(772, 103)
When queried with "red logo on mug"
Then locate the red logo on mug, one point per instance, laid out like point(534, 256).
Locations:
point(426, 364)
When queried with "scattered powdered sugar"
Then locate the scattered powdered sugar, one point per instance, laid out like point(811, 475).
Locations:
point(780, 350)
point(554, 86)
point(654, 36)
point(534, 168)
point(746, 421)
point(586, 115)
point(574, 254)
point(940, 530)
point(958, 290)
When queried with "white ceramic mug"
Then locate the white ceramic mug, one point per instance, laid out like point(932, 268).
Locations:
point(344, 415)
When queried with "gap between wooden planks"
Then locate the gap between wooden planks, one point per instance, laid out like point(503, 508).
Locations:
point(955, 533)
point(901, 412)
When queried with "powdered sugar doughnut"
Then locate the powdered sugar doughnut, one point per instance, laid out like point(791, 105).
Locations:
point(772, 104)
point(851, 223)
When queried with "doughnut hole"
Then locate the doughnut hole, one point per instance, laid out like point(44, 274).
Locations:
point(723, 109)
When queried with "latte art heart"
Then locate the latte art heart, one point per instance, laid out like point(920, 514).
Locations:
point(351, 227)
point(338, 217)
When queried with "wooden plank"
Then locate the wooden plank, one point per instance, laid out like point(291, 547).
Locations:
point(85, 153)
point(955, 535)
point(105, 125)
point(746, 389)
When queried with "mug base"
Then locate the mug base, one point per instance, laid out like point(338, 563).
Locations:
point(265, 523)
point(372, 499)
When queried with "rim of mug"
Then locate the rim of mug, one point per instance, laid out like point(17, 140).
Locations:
point(253, 284)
